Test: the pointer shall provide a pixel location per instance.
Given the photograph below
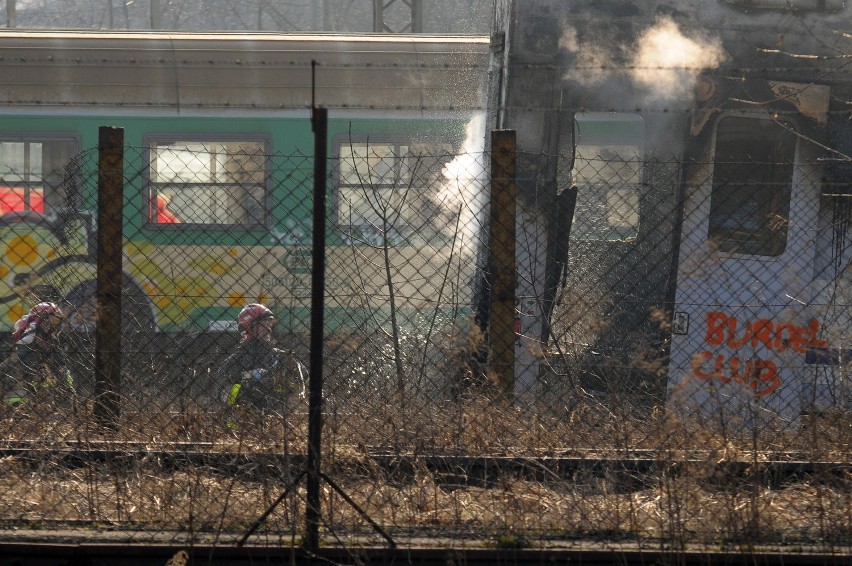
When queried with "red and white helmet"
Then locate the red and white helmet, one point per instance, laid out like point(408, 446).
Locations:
point(43, 316)
point(249, 317)
point(20, 329)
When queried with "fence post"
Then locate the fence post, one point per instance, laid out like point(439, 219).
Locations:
point(11, 14)
point(312, 495)
point(501, 268)
point(109, 248)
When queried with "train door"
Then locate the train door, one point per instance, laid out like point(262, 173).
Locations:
point(744, 319)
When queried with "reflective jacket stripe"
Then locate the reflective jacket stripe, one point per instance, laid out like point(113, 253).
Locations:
point(233, 394)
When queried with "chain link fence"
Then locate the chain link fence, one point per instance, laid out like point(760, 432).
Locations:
point(673, 367)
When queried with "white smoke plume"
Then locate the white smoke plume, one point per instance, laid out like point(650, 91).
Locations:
point(462, 193)
point(664, 61)
point(592, 61)
point(667, 62)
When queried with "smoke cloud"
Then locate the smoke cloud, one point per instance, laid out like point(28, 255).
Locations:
point(664, 61)
point(593, 63)
point(667, 62)
point(462, 192)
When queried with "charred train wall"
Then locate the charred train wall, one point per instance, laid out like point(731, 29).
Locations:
point(671, 66)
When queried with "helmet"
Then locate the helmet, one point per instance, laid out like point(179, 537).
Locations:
point(20, 330)
point(248, 318)
point(42, 318)
point(44, 309)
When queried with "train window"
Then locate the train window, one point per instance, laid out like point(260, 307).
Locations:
point(382, 184)
point(33, 173)
point(752, 179)
point(207, 182)
point(608, 156)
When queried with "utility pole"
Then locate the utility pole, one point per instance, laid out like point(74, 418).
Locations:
point(382, 9)
point(10, 14)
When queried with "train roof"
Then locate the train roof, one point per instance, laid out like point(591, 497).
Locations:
point(178, 72)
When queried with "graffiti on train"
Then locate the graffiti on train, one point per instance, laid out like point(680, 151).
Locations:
point(759, 373)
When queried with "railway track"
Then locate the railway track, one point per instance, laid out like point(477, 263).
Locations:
point(448, 468)
point(52, 543)
point(139, 555)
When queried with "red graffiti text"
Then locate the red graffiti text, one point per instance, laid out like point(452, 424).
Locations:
point(778, 336)
point(760, 375)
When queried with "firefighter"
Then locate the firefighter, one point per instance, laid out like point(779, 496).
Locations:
point(257, 374)
point(164, 215)
point(37, 362)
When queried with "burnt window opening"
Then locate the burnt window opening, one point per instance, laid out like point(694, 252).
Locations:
point(607, 170)
point(752, 181)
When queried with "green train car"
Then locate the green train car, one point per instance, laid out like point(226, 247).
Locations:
point(218, 170)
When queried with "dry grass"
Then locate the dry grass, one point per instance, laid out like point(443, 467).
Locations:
point(687, 497)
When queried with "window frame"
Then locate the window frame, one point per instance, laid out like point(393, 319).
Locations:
point(46, 137)
point(396, 140)
point(632, 133)
point(151, 190)
point(752, 248)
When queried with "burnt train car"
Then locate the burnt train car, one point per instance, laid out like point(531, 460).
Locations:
point(710, 146)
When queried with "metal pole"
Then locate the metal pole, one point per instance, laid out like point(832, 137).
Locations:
point(501, 268)
point(379, 16)
point(415, 8)
point(11, 15)
point(416, 16)
point(319, 121)
point(108, 327)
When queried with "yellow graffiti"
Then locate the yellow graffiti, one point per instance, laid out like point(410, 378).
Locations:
point(147, 269)
point(15, 312)
point(211, 264)
point(22, 250)
point(180, 299)
point(143, 249)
